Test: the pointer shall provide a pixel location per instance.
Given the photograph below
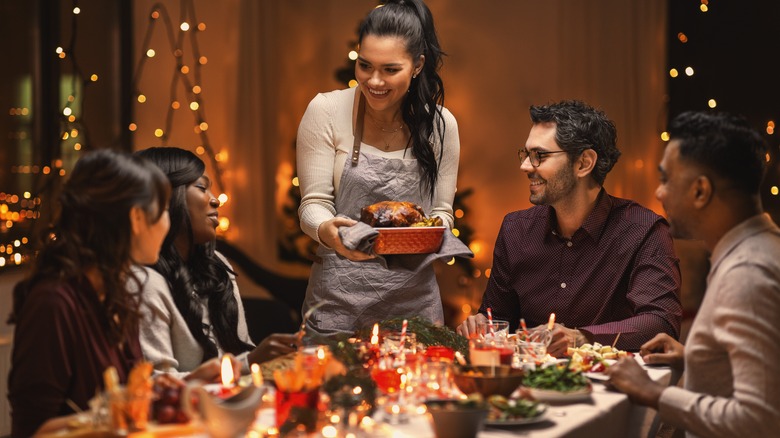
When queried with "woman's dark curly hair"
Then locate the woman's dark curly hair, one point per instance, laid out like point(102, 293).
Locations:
point(93, 230)
point(412, 21)
point(203, 274)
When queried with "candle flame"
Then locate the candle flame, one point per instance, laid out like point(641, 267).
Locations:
point(227, 371)
point(375, 335)
point(321, 354)
point(551, 323)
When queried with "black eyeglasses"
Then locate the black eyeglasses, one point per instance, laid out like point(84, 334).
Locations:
point(536, 156)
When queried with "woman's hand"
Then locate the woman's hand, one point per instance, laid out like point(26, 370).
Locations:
point(664, 349)
point(277, 344)
point(211, 370)
point(329, 235)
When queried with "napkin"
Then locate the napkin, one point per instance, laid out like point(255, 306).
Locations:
point(362, 236)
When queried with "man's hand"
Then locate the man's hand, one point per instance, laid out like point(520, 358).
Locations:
point(664, 349)
point(329, 235)
point(629, 377)
point(562, 339)
point(468, 328)
point(277, 344)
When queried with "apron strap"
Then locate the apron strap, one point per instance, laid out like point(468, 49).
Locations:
point(358, 129)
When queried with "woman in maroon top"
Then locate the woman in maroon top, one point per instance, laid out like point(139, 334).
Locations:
point(74, 315)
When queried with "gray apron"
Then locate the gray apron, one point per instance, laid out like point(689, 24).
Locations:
point(355, 295)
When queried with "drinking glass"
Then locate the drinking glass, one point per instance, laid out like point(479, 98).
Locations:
point(490, 351)
point(532, 353)
point(439, 353)
point(128, 412)
point(302, 405)
point(500, 328)
point(391, 344)
point(434, 381)
point(390, 374)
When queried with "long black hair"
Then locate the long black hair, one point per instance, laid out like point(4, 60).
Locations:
point(203, 274)
point(92, 230)
point(412, 21)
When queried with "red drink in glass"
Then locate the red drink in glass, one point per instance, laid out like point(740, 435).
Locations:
point(490, 352)
point(440, 353)
point(387, 380)
point(505, 355)
point(286, 402)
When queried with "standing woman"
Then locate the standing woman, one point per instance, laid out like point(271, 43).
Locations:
point(192, 312)
point(390, 138)
point(74, 314)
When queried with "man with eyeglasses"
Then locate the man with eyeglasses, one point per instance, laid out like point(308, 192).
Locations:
point(604, 265)
point(711, 175)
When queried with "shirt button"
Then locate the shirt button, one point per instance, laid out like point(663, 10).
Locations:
point(563, 285)
point(569, 244)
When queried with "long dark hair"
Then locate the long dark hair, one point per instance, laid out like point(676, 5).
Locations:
point(93, 229)
point(203, 274)
point(412, 21)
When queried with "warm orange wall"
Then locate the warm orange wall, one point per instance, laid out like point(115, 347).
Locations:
point(504, 55)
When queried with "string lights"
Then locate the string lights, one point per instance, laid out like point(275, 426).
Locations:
point(19, 211)
point(186, 89)
point(712, 102)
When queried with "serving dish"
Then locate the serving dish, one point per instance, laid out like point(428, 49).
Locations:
point(502, 380)
point(518, 421)
point(408, 240)
point(550, 396)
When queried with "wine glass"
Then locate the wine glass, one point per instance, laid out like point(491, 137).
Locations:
point(390, 374)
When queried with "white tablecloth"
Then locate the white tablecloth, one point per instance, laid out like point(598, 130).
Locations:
point(606, 414)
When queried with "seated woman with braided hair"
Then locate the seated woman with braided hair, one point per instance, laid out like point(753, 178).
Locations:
point(192, 312)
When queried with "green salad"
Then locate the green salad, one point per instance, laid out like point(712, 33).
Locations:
point(502, 408)
point(556, 378)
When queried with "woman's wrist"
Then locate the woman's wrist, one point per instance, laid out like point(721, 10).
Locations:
point(319, 239)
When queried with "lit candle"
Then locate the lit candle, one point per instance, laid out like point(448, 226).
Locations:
point(228, 388)
point(227, 372)
point(257, 376)
point(375, 335)
point(551, 323)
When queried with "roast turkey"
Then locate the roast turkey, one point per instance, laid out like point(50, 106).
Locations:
point(392, 214)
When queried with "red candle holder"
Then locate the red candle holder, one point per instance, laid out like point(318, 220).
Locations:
point(440, 353)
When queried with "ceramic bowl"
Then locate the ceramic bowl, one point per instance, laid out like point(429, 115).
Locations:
point(487, 381)
point(450, 419)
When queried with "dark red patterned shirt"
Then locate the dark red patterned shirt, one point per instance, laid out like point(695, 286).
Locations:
point(617, 274)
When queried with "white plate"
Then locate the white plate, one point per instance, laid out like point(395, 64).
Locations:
point(600, 376)
point(518, 421)
point(549, 396)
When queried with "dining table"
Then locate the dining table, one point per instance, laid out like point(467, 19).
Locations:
point(606, 413)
